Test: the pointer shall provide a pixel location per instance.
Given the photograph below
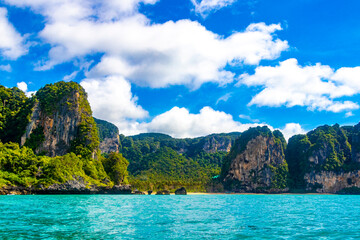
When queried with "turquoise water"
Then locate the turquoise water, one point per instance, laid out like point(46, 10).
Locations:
point(180, 217)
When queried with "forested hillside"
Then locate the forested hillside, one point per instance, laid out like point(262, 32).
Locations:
point(159, 161)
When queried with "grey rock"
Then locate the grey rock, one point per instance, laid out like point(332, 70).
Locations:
point(181, 191)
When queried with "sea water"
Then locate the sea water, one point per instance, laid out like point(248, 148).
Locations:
point(180, 217)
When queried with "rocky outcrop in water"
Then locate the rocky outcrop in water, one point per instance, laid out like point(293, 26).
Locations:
point(75, 186)
point(163, 192)
point(181, 191)
point(256, 163)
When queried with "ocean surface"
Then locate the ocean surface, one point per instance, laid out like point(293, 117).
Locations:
point(180, 217)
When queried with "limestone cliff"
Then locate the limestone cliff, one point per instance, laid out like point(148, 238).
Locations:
point(109, 136)
point(62, 122)
point(331, 181)
point(216, 143)
point(256, 162)
point(324, 160)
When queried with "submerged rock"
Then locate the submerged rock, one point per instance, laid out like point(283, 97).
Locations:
point(181, 191)
point(138, 193)
point(163, 192)
point(15, 190)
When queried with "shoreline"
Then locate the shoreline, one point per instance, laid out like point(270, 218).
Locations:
point(199, 193)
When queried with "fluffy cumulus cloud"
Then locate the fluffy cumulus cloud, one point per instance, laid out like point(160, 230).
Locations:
point(111, 99)
point(317, 87)
point(206, 6)
point(11, 42)
point(24, 87)
point(292, 129)
point(68, 11)
point(180, 123)
point(172, 53)
point(155, 55)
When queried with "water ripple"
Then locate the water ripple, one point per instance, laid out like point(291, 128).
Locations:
point(180, 217)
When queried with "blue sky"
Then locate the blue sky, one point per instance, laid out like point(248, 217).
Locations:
point(188, 67)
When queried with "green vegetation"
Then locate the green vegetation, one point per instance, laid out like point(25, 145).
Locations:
point(280, 180)
point(297, 158)
point(54, 96)
point(19, 166)
point(116, 167)
point(327, 148)
point(36, 138)
point(106, 129)
point(158, 161)
point(15, 112)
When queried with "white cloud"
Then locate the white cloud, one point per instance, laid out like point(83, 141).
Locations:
point(292, 129)
point(11, 42)
point(224, 98)
point(6, 68)
point(69, 11)
point(111, 99)
point(148, 54)
point(180, 123)
point(315, 87)
point(173, 53)
point(23, 87)
point(349, 114)
point(71, 76)
point(206, 6)
point(246, 117)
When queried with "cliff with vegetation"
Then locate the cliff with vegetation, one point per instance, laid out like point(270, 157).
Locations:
point(62, 122)
point(60, 144)
point(108, 136)
point(325, 160)
point(50, 143)
point(256, 162)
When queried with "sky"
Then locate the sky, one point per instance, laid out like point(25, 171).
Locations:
point(190, 68)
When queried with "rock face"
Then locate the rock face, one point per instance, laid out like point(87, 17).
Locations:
point(256, 163)
point(216, 143)
point(181, 191)
point(61, 120)
point(109, 136)
point(209, 144)
point(332, 182)
point(324, 160)
point(108, 145)
point(75, 186)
